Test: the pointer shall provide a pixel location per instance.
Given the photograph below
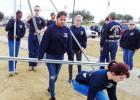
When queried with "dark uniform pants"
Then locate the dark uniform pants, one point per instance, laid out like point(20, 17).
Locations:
point(78, 54)
point(33, 46)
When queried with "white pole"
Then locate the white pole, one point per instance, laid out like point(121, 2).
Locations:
point(23, 59)
point(14, 34)
point(34, 22)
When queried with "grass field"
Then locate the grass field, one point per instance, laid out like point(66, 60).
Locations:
point(32, 85)
point(93, 50)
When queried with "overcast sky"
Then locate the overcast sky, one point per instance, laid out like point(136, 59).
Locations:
point(98, 8)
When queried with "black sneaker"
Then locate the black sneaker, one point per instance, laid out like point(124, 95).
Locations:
point(49, 90)
point(69, 80)
point(52, 98)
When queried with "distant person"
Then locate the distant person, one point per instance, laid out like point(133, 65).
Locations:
point(92, 83)
point(110, 37)
point(20, 32)
point(55, 42)
point(52, 21)
point(130, 43)
point(104, 57)
point(80, 34)
point(33, 39)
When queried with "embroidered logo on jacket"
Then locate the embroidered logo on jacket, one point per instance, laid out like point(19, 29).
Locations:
point(20, 26)
point(81, 33)
point(66, 35)
point(132, 33)
point(110, 85)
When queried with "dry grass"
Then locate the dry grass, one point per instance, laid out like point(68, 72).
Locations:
point(93, 50)
point(32, 85)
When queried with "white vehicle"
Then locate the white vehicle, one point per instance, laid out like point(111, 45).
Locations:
point(90, 33)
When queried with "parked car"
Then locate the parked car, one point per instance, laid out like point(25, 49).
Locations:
point(90, 33)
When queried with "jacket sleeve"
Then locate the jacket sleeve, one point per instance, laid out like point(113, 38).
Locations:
point(105, 35)
point(69, 47)
point(112, 93)
point(138, 39)
point(43, 23)
point(44, 43)
point(9, 25)
point(84, 44)
point(23, 30)
point(93, 88)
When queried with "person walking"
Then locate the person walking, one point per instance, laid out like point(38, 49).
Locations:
point(34, 36)
point(80, 34)
point(20, 32)
point(55, 42)
point(130, 43)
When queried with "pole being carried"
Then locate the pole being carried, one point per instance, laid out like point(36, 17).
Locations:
point(34, 21)
point(14, 51)
point(74, 35)
point(23, 59)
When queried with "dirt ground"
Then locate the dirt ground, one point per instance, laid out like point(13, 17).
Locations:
point(33, 85)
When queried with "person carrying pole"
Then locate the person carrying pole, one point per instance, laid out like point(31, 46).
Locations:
point(80, 34)
point(20, 32)
point(56, 41)
point(35, 29)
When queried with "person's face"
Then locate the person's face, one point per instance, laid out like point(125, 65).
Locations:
point(61, 20)
point(118, 78)
point(37, 10)
point(53, 16)
point(78, 21)
point(131, 25)
point(19, 16)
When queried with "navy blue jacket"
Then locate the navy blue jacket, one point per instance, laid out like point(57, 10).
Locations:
point(40, 24)
point(98, 81)
point(80, 35)
point(56, 41)
point(130, 39)
point(20, 29)
point(111, 32)
point(50, 22)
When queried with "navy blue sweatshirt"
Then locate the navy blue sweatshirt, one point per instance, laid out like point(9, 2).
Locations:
point(130, 40)
point(50, 22)
point(40, 24)
point(20, 29)
point(111, 32)
point(80, 35)
point(56, 41)
point(98, 81)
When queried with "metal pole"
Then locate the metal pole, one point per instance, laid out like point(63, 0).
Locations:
point(20, 5)
point(73, 11)
point(23, 59)
point(14, 52)
point(34, 21)
point(73, 36)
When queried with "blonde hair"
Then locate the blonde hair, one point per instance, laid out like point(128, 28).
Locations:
point(78, 16)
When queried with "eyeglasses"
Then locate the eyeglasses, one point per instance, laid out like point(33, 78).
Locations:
point(36, 10)
point(131, 24)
